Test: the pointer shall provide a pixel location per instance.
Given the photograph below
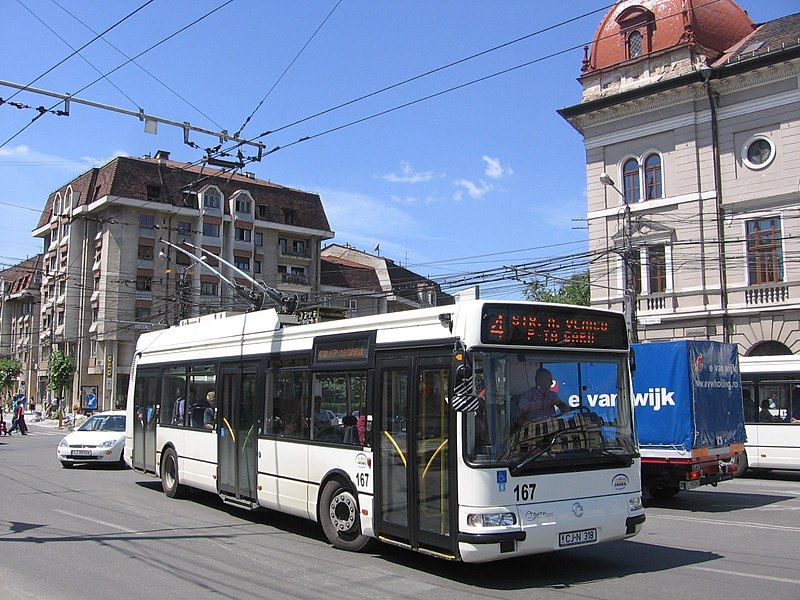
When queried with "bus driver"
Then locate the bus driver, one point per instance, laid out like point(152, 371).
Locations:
point(540, 401)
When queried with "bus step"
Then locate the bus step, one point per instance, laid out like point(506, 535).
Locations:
point(239, 502)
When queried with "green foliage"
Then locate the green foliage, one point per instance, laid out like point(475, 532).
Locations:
point(9, 371)
point(60, 372)
point(574, 290)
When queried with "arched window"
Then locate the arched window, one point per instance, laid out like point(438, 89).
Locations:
point(653, 187)
point(212, 199)
point(769, 348)
point(635, 44)
point(630, 180)
point(57, 206)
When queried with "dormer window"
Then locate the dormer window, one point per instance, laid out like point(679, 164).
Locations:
point(636, 25)
point(243, 205)
point(212, 199)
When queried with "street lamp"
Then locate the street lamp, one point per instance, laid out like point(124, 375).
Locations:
point(627, 256)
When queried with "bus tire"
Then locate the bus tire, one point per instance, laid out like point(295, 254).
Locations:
point(663, 492)
point(340, 518)
point(169, 475)
point(741, 465)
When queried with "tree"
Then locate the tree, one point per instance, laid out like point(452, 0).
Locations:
point(60, 372)
point(9, 371)
point(575, 290)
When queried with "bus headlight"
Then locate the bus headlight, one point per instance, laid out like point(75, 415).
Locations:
point(492, 520)
point(635, 504)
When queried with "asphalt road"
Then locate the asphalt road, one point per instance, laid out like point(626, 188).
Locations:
point(103, 533)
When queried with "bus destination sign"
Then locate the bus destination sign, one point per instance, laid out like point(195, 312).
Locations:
point(553, 326)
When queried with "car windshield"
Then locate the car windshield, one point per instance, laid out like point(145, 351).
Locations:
point(542, 412)
point(104, 423)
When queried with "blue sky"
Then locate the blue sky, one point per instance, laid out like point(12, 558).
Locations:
point(487, 169)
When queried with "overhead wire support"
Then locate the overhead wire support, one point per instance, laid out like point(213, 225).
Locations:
point(68, 99)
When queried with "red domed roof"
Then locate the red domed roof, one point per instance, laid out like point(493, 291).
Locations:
point(713, 24)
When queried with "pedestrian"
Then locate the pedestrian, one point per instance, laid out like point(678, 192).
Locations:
point(18, 422)
point(3, 428)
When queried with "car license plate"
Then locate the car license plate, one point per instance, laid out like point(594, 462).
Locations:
point(81, 453)
point(573, 538)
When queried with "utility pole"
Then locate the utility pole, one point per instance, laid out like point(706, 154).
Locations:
point(628, 256)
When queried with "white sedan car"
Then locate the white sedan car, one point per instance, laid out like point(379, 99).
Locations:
point(101, 439)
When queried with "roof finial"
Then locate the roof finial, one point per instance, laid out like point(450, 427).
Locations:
point(585, 65)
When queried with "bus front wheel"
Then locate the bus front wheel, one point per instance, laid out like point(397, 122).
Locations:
point(340, 517)
point(169, 475)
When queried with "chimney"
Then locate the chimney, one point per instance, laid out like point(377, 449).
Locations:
point(249, 174)
point(162, 155)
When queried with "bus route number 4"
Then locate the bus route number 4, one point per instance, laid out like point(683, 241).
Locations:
point(524, 492)
point(362, 479)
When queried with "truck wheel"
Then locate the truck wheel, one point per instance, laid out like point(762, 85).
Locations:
point(663, 492)
point(169, 475)
point(341, 518)
point(741, 466)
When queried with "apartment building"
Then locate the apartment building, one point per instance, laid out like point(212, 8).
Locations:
point(107, 277)
point(365, 284)
point(693, 113)
point(19, 322)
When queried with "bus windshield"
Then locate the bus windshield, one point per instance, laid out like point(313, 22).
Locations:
point(541, 412)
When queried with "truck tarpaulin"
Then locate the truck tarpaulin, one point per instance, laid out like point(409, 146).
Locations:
point(688, 395)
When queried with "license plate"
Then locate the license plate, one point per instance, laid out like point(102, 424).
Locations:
point(573, 538)
point(81, 453)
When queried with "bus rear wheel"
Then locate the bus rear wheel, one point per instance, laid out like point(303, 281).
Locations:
point(169, 475)
point(340, 517)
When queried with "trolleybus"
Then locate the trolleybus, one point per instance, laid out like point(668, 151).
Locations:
point(472, 432)
point(771, 390)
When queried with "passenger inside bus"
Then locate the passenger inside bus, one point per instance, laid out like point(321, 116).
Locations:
point(764, 415)
point(210, 413)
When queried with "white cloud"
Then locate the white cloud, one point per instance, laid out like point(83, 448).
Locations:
point(408, 200)
point(474, 190)
point(495, 169)
point(23, 155)
point(408, 175)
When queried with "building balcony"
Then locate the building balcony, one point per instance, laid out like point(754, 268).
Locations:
point(291, 279)
point(767, 293)
point(304, 253)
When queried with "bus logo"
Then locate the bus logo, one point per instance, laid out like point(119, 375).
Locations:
point(620, 482)
point(362, 462)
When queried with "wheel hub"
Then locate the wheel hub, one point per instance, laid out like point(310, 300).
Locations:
point(343, 511)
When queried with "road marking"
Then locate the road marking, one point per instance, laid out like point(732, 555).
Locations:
point(726, 523)
point(752, 575)
point(98, 521)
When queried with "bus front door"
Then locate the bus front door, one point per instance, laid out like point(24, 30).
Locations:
point(238, 426)
point(145, 409)
point(414, 464)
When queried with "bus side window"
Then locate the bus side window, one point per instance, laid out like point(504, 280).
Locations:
point(750, 405)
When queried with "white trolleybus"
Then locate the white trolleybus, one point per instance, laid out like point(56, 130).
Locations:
point(473, 432)
point(771, 390)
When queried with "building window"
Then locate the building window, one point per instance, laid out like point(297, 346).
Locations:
point(282, 245)
point(758, 152)
point(653, 187)
point(142, 315)
point(143, 283)
point(635, 44)
point(145, 253)
point(243, 206)
point(630, 180)
point(208, 288)
point(299, 247)
point(95, 314)
point(259, 239)
point(184, 228)
point(62, 288)
point(147, 221)
point(64, 230)
point(212, 199)
point(92, 347)
point(289, 216)
point(764, 250)
point(210, 229)
point(242, 235)
point(182, 259)
point(262, 212)
point(154, 193)
point(257, 267)
point(242, 263)
point(657, 268)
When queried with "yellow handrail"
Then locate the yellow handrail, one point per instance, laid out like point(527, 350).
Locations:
point(396, 447)
point(433, 457)
point(228, 425)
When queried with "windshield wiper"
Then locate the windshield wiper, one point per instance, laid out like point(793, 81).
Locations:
point(543, 446)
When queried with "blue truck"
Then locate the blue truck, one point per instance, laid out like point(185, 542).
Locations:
point(687, 398)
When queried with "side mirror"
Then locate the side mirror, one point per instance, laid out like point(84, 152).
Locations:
point(463, 399)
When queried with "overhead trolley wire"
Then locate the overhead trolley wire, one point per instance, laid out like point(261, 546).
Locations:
point(94, 39)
